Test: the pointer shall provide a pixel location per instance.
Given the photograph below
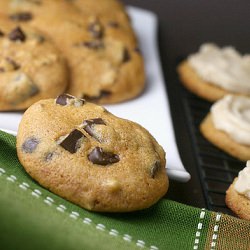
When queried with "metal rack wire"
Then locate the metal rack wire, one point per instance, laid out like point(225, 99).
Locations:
point(216, 169)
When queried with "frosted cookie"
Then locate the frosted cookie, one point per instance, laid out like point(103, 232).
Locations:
point(227, 126)
point(92, 158)
point(238, 194)
point(214, 72)
point(105, 63)
point(31, 67)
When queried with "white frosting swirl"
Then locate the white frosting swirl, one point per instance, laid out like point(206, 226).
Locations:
point(223, 67)
point(242, 184)
point(231, 114)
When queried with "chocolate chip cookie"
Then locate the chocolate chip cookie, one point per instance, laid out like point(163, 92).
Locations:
point(105, 63)
point(31, 67)
point(85, 154)
point(117, 22)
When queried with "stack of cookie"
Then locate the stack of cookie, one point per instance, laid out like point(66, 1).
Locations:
point(73, 147)
point(80, 47)
point(223, 75)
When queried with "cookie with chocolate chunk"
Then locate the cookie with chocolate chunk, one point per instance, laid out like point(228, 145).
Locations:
point(83, 153)
point(102, 52)
point(117, 23)
point(31, 67)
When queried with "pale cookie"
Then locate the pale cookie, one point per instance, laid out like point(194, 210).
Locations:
point(223, 141)
point(238, 203)
point(105, 63)
point(31, 67)
point(198, 86)
point(215, 71)
point(85, 154)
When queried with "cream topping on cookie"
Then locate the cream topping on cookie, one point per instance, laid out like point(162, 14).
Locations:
point(224, 67)
point(242, 184)
point(231, 114)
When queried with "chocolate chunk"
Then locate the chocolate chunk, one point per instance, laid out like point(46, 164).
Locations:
point(94, 121)
point(103, 93)
point(20, 88)
point(99, 157)
point(126, 56)
point(36, 2)
point(39, 38)
point(96, 29)
point(88, 126)
point(13, 63)
point(21, 16)
point(62, 99)
point(29, 87)
point(30, 145)
point(49, 156)
point(17, 35)
point(66, 99)
point(2, 70)
point(73, 141)
point(97, 44)
point(113, 24)
point(155, 168)
point(1, 33)
point(137, 49)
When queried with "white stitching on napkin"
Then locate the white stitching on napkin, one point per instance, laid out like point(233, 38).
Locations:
point(127, 237)
point(154, 248)
point(11, 178)
point(49, 201)
point(140, 243)
point(100, 227)
point(216, 230)
point(199, 228)
point(113, 232)
point(74, 215)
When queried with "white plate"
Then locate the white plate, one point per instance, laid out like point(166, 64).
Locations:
point(151, 109)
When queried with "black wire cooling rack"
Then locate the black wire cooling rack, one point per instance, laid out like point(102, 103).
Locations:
point(216, 169)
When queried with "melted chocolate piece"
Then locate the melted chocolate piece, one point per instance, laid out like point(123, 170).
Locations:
point(71, 142)
point(126, 56)
point(97, 44)
point(156, 167)
point(94, 121)
point(30, 145)
point(113, 24)
point(13, 63)
point(17, 35)
point(137, 49)
point(1, 33)
point(62, 99)
point(88, 126)
point(96, 29)
point(49, 156)
point(99, 157)
point(21, 16)
point(103, 93)
point(66, 99)
point(39, 38)
point(36, 2)
point(2, 70)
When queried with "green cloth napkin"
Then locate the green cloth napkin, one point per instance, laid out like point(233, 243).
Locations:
point(31, 217)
